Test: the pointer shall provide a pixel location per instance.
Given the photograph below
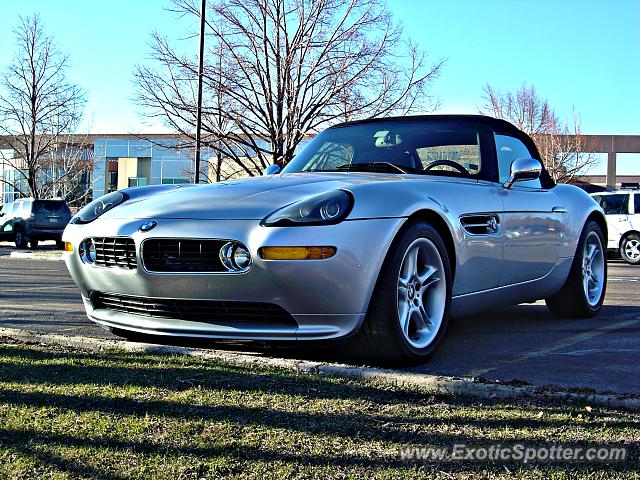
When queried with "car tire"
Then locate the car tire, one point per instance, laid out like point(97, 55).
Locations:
point(33, 244)
point(583, 292)
point(20, 239)
point(408, 312)
point(59, 244)
point(630, 249)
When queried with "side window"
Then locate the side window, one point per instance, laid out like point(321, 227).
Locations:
point(508, 149)
point(636, 199)
point(330, 156)
point(615, 204)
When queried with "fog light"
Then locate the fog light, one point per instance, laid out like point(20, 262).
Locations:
point(87, 251)
point(296, 253)
point(235, 256)
point(241, 257)
point(68, 247)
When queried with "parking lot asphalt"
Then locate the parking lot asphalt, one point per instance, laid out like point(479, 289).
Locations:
point(524, 343)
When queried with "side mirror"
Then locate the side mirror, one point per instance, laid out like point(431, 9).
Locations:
point(523, 169)
point(272, 169)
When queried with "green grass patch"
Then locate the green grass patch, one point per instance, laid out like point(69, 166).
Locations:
point(71, 414)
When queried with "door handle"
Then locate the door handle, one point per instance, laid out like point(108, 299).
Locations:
point(559, 210)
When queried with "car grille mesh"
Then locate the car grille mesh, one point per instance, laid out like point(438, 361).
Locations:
point(115, 252)
point(173, 255)
point(194, 310)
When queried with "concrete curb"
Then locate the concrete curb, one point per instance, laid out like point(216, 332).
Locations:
point(429, 383)
point(56, 257)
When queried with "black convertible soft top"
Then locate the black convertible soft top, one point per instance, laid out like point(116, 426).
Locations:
point(496, 124)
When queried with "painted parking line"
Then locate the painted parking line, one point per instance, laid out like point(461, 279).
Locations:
point(28, 289)
point(554, 348)
point(623, 279)
point(40, 307)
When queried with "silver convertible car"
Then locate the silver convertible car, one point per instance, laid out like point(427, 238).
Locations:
point(378, 232)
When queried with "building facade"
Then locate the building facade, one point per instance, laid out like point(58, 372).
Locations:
point(120, 162)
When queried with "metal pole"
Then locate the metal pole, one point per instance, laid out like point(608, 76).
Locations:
point(199, 109)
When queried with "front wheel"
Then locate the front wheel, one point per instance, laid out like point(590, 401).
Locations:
point(20, 239)
point(583, 293)
point(630, 249)
point(408, 313)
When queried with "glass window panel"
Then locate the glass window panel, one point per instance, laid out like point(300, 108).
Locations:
point(615, 204)
point(509, 149)
point(117, 150)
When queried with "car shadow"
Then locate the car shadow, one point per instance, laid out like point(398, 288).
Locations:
point(520, 344)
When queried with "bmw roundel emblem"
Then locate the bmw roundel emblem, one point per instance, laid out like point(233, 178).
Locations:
point(146, 226)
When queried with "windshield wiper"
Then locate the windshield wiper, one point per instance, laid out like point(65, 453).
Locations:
point(371, 167)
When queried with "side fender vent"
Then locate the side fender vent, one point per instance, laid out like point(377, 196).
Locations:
point(481, 224)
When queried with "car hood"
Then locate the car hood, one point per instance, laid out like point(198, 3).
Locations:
point(252, 198)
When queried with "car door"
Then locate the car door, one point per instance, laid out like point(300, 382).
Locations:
point(5, 233)
point(634, 218)
point(616, 209)
point(10, 218)
point(532, 220)
point(473, 203)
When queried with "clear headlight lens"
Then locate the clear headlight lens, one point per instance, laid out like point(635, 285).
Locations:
point(324, 209)
point(235, 257)
point(87, 251)
point(99, 206)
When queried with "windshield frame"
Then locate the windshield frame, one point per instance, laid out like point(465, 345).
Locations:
point(488, 167)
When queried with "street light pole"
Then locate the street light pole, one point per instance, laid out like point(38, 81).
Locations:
point(199, 108)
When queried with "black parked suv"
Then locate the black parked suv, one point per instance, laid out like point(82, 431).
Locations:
point(29, 221)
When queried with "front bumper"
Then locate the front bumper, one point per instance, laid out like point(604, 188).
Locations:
point(326, 298)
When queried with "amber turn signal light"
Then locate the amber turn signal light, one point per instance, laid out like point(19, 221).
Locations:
point(68, 247)
point(296, 253)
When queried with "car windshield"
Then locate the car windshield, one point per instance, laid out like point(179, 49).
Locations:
point(393, 147)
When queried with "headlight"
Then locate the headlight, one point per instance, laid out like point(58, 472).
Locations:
point(99, 206)
point(235, 257)
point(324, 209)
point(87, 251)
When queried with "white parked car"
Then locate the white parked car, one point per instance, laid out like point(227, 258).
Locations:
point(622, 209)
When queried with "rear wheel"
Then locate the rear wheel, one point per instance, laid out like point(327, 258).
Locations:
point(408, 313)
point(34, 244)
point(20, 239)
point(59, 244)
point(630, 249)
point(583, 293)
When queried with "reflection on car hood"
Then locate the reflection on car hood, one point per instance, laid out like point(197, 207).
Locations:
point(252, 198)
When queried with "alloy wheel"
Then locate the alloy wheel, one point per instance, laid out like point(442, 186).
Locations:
point(422, 293)
point(632, 249)
point(593, 268)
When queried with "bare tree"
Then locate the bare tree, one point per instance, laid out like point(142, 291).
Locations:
point(38, 106)
point(279, 70)
point(564, 150)
point(66, 170)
